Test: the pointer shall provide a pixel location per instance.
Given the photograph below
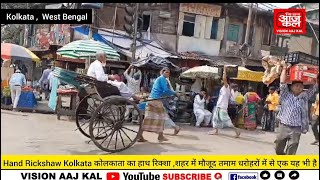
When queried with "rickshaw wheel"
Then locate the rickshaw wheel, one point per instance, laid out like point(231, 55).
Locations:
point(113, 134)
point(83, 113)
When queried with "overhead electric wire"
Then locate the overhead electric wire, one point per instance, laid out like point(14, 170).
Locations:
point(311, 27)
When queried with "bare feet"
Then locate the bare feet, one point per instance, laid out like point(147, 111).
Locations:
point(177, 130)
point(161, 139)
point(237, 133)
point(214, 132)
point(141, 139)
point(315, 143)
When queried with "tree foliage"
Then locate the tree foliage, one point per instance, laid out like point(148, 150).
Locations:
point(11, 32)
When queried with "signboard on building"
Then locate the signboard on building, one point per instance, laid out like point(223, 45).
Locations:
point(52, 34)
point(201, 9)
point(289, 21)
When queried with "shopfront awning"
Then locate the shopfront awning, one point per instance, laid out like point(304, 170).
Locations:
point(248, 75)
point(122, 43)
point(155, 62)
point(144, 47)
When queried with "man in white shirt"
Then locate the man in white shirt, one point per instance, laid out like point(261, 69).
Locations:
point(134, 79)
point(220, 117)
point(199, 108)
point(96, 71)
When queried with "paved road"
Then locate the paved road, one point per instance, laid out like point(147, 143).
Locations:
point(31, 133)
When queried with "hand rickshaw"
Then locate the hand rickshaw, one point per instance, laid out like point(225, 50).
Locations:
point(100, 118)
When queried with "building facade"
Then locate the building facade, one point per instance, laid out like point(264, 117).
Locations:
point(214, 29)
point(307, 43)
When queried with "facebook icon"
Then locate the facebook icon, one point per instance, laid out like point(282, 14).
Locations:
point(233, 177)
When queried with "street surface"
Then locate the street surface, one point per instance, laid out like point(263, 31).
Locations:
point(31, 133)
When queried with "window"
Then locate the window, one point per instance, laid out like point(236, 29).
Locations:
point(233, 31)
point(188, 25)
point(146, 22)
point(214, 29)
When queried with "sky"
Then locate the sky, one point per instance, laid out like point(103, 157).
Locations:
point(284, 5)
point(269, 6)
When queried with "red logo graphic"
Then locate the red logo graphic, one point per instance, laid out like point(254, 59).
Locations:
point(218, 176)
point(113, 176)
point(289, 21)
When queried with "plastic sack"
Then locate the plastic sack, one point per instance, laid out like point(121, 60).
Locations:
point(239, 99)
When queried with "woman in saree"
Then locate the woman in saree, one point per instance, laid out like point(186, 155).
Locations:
point(251, 100)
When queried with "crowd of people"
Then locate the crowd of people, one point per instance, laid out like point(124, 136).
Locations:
point(287, 108)
point(292, 98)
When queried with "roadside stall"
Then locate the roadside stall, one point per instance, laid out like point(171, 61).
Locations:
point(86, 49)
point(208, 74)
point(15, 53)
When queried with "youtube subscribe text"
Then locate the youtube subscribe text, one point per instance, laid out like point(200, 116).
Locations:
point(116, 176)
point(158, 174)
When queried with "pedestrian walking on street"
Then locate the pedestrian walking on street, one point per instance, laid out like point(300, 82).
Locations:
point(155, 113)
point(250, 108)
point(169, 124)
point(221, 118)
point(293, 114)
point(17, 81)
point(269, 117)
point(44, 81)
point(315, 121)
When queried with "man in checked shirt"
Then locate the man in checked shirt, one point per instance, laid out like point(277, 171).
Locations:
point(293, 114)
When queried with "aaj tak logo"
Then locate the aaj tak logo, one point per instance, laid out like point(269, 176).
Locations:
point(289, 21)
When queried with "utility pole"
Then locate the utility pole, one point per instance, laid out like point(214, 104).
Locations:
point(134, 41)
point(91, 26)
point(25, 37)
point(249, 24)
point(246, 46)
point(74, 6)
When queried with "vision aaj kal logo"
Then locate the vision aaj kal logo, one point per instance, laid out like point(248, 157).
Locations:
point(289, 21)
